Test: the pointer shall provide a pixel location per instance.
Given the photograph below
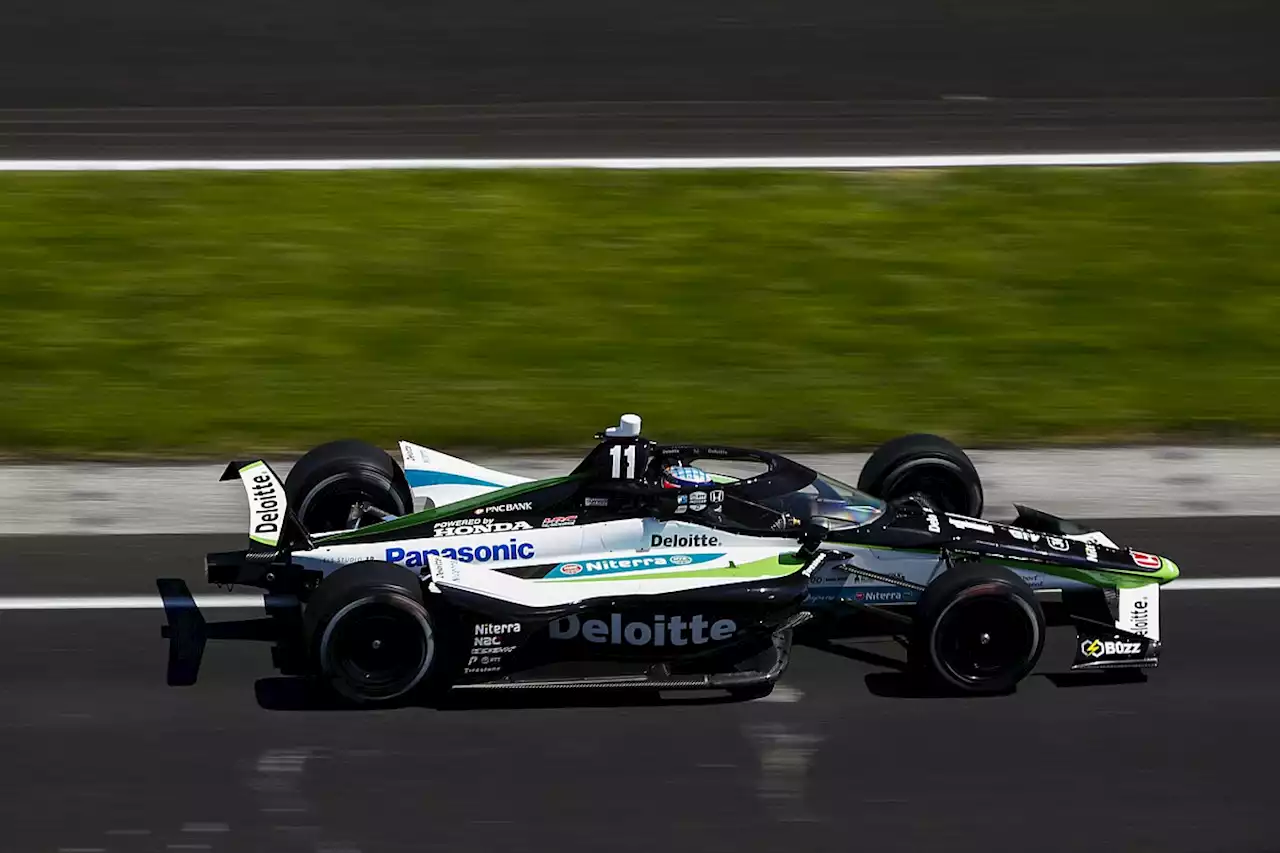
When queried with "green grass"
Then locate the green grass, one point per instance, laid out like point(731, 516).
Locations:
point(201, 314)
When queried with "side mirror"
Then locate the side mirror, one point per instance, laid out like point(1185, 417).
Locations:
point(815, 532)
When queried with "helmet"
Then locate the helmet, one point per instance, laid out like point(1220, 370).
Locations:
point(684, 476)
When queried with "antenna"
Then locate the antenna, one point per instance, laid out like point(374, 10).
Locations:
point(628, 427)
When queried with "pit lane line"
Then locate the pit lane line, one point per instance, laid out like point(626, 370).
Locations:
point(952, 161)
point(240, 602)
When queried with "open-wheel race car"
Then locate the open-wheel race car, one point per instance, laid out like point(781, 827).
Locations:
point(661, 566)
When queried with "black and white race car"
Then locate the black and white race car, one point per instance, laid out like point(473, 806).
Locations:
point(661, 566)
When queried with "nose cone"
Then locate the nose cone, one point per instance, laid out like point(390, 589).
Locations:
point(1168, 570)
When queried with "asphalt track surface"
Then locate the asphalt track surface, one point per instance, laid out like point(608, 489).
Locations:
point(99, 754)
point(156, 78)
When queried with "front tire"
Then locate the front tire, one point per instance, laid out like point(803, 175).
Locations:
point(924, 464)
point(329, 480)
point(978, 630)
point(371, 639)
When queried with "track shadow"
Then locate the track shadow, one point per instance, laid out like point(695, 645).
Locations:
point(282, 693)
point(853, 653)
point(902, 685)
point(898, 683)
point(1101, 678)
point(905, 685)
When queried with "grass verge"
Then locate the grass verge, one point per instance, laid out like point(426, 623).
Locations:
point(195, 314)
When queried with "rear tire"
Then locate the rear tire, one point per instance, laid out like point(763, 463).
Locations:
point(928, 465)
point(330, 479)
point(978, 630)
point(370, 637)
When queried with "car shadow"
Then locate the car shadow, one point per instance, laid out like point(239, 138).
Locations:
point(284, 693)
point(899, 683)
point(1100, 678)
point(852, 653)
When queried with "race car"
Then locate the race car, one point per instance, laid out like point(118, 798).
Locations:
point(663, 566)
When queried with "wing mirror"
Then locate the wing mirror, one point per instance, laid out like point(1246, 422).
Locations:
point(812, 535)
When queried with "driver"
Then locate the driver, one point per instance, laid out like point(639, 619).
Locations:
point(685, 477)
point(704, 502)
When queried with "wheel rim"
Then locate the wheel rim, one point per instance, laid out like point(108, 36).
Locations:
point(328, 506)
point(378, 647)
point(984, 638)
point(938, 480)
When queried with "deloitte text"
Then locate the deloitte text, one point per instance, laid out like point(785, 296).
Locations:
point(665, 631)
point(698, 540)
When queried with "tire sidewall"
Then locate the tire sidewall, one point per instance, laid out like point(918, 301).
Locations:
point(351, 463)
point(967, 584)
point(329, 669)
point(373, 480)
point(913, 465)
point(908, 454)
point(341, 593)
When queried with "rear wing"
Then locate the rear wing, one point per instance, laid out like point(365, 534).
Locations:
point(272, 523)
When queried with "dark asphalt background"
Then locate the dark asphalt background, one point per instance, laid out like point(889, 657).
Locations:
point(618, 77)
point(96, 753)
point(99, 754)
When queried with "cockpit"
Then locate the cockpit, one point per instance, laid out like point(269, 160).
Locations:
point(735, 488)
point(791, 505)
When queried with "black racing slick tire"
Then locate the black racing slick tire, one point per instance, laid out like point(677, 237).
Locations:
point(330, 479)
point(928, 465)
point(978, 630)
point(370, 637)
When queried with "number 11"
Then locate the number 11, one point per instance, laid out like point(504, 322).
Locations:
point(616, 452)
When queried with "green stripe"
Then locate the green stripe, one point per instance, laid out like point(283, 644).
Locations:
point(429, 515)
point(1121, 578)
point(770, 567)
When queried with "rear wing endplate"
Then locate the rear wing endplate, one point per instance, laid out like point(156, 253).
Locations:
point(272, 523)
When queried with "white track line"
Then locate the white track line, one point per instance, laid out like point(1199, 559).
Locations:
point(125, 602)
point(1191, 584)
point(239, 602)
point(946, 161)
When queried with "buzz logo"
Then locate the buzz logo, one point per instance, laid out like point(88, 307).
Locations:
point(663, 631)
point(1109, 648)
